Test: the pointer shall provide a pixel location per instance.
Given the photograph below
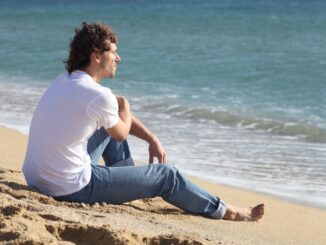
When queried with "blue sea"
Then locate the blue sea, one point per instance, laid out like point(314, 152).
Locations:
point(235, 90)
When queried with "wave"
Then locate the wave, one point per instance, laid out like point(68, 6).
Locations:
point(18, 100)
point(308, 132)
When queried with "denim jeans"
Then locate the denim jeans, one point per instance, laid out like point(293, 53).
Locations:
point(121, 181)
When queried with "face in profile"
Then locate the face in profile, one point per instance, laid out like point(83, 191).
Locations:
point(109, 61)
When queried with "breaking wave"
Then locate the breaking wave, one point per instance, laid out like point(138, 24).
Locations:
point(308, 132)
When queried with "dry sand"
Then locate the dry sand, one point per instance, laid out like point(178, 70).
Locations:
point(28, 217)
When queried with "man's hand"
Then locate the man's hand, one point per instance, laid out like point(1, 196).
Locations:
point(123, 103)
point(156, 150)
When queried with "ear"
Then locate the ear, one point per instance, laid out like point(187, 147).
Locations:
point(95, 57)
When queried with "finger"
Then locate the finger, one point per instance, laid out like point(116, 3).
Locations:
point(151, 159)
point(164, 158)
point(160, 159)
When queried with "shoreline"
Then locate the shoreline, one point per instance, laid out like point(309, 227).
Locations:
point(274, 196)
point(283, 223)
point(21, 139)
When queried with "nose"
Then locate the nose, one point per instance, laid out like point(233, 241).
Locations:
point(117, 58)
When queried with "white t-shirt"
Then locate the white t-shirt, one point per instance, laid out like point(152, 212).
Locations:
point(69, 112)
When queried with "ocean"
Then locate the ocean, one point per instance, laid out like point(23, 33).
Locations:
point(235, 90)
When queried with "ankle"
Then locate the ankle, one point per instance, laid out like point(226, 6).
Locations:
point(230, 214)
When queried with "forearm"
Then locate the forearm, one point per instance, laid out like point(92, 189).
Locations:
point(139, 130)
point(121, 130)
point(126, 118)
point(155, 148)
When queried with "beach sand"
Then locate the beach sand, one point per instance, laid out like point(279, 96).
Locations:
point(28, 217)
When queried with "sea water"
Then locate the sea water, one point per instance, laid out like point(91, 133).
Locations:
point(235, 90)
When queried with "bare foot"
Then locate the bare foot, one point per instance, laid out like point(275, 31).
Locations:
point(244, 214)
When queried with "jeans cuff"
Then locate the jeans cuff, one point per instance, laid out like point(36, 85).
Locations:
point(220, 212)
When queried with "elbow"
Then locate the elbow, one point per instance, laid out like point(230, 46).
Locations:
point(119, 132)
point(120, 137)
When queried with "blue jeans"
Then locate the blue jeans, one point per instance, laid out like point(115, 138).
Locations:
point(121, 181)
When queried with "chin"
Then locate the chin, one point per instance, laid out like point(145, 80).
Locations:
point(111, 75)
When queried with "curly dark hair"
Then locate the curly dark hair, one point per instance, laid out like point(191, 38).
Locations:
point(88, 38)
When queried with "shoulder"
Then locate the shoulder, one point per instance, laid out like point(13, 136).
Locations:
point(105, 98)
point(62, 77)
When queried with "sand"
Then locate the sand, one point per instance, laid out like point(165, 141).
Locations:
point(28, 217)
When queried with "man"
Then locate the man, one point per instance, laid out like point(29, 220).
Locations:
point(77, 121)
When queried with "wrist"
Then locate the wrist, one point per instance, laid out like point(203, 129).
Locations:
point(152, 139)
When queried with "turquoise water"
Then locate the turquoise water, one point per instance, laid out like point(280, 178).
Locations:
point(234, 89)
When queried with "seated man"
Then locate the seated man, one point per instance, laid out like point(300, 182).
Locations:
point(77, 121)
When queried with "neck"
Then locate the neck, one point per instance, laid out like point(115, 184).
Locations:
point(93, 73)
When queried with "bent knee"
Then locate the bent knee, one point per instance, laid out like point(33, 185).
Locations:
point(167, 167)
point(167, 170)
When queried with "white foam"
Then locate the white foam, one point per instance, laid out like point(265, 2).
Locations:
point(18, 98)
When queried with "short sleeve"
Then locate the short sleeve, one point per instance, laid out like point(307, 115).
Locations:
point(104, 109)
